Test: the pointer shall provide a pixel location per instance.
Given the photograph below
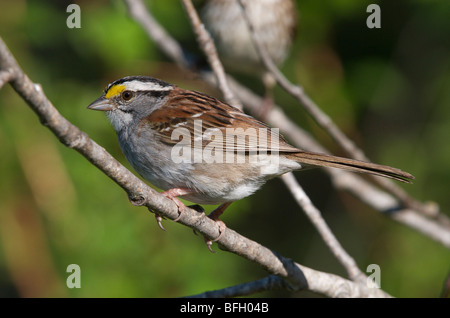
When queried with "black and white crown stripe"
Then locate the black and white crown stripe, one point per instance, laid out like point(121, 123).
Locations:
point(142, 83)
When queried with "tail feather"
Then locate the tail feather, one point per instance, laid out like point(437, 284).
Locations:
point(322, 160)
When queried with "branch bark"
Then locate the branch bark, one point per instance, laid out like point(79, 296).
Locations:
point(325, 232)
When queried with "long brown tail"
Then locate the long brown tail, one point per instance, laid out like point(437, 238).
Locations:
point(322, 160)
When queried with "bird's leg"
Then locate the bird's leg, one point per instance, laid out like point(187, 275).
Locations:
point(214, 215)
point(173, 194)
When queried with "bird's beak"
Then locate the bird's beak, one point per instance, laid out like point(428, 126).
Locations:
point(102, 104)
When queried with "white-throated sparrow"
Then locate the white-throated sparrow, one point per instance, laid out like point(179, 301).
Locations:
point(196, 147)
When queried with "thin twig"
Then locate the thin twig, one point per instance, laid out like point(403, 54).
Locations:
point(325, 232)
point(206, 43)
point(273, 282)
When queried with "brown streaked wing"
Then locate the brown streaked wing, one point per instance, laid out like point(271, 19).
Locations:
point(185, 107)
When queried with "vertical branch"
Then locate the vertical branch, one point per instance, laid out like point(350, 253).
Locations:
point(207, 45)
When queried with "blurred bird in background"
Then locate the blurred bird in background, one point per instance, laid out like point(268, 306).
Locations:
point(275, 23)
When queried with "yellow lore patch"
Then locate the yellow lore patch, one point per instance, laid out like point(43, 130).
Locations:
point(114, 91)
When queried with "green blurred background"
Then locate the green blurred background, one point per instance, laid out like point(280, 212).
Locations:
point(388, 89)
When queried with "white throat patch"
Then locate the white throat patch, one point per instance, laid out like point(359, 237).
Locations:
point(119, 121)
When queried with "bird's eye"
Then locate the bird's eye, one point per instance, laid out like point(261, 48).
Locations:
point(127, 95)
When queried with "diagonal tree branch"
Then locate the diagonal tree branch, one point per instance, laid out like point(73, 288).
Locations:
point(271, 283)
point(159, 35)
point(353, 272)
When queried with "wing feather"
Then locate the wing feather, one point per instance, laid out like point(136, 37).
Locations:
point(216, 123)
